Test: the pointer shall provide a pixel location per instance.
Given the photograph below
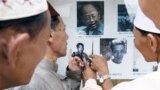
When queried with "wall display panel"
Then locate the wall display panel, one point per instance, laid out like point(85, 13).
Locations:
point(126, 63)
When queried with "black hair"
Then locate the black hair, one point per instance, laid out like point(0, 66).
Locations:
point(32, 25)
point(78, 44)
point(54, 22)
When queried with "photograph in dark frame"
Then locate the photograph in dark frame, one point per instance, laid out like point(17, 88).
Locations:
point(90, 17)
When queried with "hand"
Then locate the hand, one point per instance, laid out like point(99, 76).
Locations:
point(75, 63)
point(99, 64)
point(88, 73)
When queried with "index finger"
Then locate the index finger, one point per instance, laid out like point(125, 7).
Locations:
point(70, 55)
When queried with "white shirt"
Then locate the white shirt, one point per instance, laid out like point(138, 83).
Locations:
point(148, 82)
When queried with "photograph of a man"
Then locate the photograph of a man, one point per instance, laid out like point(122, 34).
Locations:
point(80, 52)
point(118, 50)
point(90, 17)
point(124, 20)
point(113, 49)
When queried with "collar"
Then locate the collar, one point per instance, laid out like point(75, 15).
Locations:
point(48, 65)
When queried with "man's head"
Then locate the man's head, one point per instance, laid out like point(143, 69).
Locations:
point(58, 38)
point(147, 36)
point(91, 15)
point(118, 51)
point(23, 37)
point(80, 47)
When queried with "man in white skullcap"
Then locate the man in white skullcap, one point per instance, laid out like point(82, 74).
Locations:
point(147, 40)
point(46, 76)
point(24, 31)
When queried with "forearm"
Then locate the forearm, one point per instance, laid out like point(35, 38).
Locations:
point(107, 84)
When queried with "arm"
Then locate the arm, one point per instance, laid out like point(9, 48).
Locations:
point(100, 65)
point(74, 68)
point(74, 72)
point(73, 79)
point(89, 77)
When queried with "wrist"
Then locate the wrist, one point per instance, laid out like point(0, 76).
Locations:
point(107, 84)
point(103, 78)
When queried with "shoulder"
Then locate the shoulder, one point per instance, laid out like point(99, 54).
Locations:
point(147, 82)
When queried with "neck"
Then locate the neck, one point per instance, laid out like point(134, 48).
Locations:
point(51, 56)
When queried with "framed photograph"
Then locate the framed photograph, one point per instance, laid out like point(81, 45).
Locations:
point(125, 21)
point(90, 17)
point(115, 50)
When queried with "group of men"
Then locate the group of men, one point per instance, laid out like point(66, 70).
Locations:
point(28, 36)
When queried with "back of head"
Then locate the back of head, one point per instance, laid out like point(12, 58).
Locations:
point(20, 21)
point(146, 28)
point(23, 16)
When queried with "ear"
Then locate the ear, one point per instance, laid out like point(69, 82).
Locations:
point(153, 43)
point(14, 46)
point(52, 35)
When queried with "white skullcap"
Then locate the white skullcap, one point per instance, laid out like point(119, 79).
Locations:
point(16, 9)
point(143, 22)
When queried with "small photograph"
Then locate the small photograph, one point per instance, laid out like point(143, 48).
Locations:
point(80, 52)
point(113, 49)
point(90, 17)
point(125, 21)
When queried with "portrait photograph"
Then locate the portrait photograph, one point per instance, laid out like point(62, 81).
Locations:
point(90, 17)
point(114, 50)
point(125, 21)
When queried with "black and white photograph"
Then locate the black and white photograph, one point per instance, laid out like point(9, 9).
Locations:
point(125, 23)
point(90, 17)
point(115, 51)
point(80, 53)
